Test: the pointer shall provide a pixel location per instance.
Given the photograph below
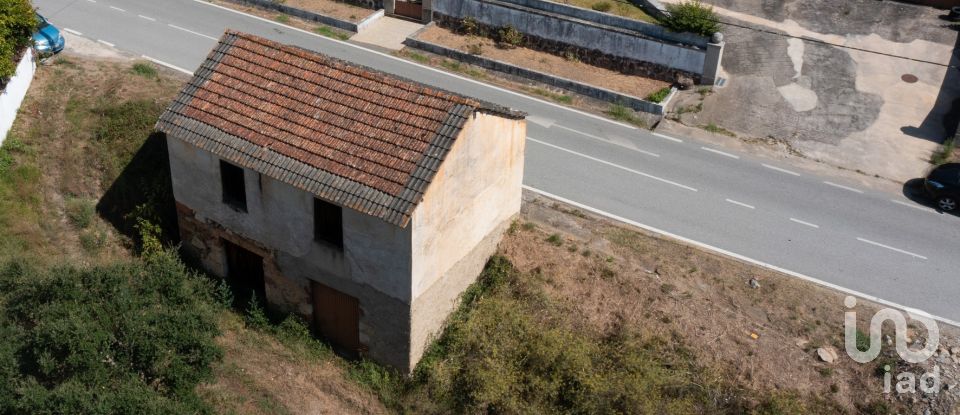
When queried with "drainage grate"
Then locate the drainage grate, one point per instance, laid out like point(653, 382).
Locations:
point(908, 78)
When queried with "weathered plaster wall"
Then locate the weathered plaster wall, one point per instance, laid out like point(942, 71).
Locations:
point(457, 226)
point(374, 265)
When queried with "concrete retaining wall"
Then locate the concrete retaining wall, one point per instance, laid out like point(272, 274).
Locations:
point(569, 25)
point(648, 29)
point(315, 17)
point(15, 90)
point(567, 84)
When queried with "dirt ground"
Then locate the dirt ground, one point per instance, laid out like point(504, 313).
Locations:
point(844, 106)
point(330, 8)
point(764, 339)
point(258, 375)
point(544, 62)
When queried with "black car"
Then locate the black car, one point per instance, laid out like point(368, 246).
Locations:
point(943, 184)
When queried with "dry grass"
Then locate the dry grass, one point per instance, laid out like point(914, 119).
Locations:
point(76, 131)
point(339, 10)
point(618, 7)
point(568, 68)
point(614, 277)
point(261, 375)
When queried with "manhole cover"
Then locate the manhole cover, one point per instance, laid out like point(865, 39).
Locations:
point(908, 78)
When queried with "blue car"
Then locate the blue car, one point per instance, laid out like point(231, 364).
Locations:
point(47, 39)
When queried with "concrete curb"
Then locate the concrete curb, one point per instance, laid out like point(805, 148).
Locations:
point(315, 17)
point(570, 85)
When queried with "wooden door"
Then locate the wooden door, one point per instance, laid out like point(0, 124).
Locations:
point(245, 271)
point(337, 317)
point(411, 9)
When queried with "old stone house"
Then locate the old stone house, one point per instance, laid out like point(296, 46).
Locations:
point(360, 201)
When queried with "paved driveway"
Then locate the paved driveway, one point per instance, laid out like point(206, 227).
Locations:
point(843, 106)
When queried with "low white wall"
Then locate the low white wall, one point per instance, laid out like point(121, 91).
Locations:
point(16, 89)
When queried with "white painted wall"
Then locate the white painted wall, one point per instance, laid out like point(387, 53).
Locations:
point(16, 90)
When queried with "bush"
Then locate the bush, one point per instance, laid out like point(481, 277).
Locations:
point(601, 6)
point(17, 24)
point(143, 332)
point(659, 96)
point(470, 27)
point(509, 37)
point(691, 16)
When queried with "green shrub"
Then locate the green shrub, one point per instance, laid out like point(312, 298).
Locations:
point(691, 16)
point(134, 337)
point(601, 6)
point(470, 27)
point(509, 37)
point(17, 24)
point(659, 96)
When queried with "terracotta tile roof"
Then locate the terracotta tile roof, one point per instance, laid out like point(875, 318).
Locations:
point(346, 133)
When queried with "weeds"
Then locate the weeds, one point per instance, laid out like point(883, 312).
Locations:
point(555, 239)
point(418, 57)
point(659, 95)
point(144, 69)
point(553, 96)
point(330, 32)
point(620, 112)
point(509, 37)
point(601, 6)
point(945, 152)
point(282, 18)
point(80, 212)
point(713, 128)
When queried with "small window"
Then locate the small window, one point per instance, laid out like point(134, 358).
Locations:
point(328, 223)
point(234, 188)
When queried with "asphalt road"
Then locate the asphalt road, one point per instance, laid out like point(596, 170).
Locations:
point(865, 241)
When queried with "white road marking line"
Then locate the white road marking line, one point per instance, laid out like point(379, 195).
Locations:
point(171, 66)
point(667, 137)
point(891, 248)
point(741, 204)
point(191, 32)
point(429, 68)
point(147, 18)
point(805, 223)
point(92, 1)
point(107, 43)
point(712, 150)
point(912, 205)
point(69, 30)
point(117, 9)
point(608, 141)
point(736, 256)
point(840, 186)
point(792, 173)
point(640, 173)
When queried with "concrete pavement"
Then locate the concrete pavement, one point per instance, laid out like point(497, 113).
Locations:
point(866, 241)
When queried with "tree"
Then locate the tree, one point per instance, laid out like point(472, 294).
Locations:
point(691, 16)
point(17, 24)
